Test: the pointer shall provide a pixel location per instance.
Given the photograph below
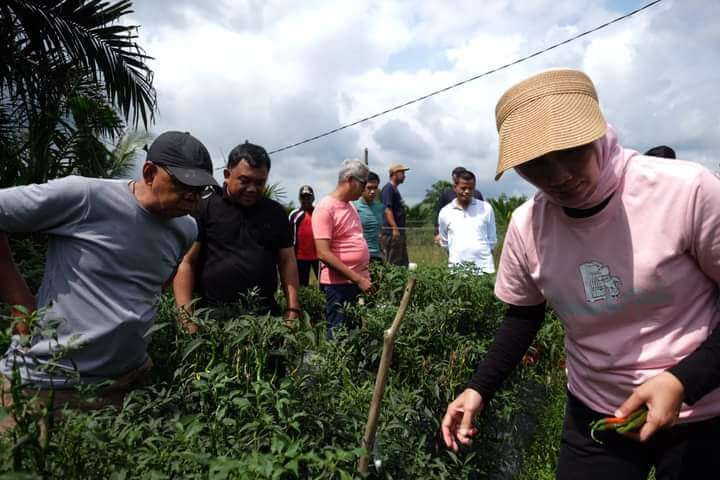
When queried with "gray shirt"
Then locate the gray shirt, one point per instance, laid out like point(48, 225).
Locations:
point(106, 262)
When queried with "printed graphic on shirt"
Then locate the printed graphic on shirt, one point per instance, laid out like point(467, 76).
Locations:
point(599, 284)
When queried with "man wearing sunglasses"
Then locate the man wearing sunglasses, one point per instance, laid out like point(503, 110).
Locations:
point(244, 241)
point(113, 244)
point(340, 244)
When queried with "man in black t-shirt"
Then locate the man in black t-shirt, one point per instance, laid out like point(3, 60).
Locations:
point(392, 236)
point(243, 241)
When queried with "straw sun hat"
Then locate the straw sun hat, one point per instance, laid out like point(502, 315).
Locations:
point(553, 110)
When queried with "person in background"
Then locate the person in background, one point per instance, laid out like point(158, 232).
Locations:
point(302, 233)
point(467, 226)
point(371, 214)
point(447, 196)
point(113, 245)
point(662, 151)
point(340, 244)
point(243, 243)
point(626, 251)
point(393, 239)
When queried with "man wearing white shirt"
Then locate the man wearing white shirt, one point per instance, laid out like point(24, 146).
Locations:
point(467, 226)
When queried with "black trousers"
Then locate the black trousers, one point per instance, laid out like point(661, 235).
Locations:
point(394, 250)
point(687, 451)
point(304, 267)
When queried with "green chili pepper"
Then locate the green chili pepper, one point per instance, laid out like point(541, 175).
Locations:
point(621, 425)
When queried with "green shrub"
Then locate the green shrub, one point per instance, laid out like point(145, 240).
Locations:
point(248, 397)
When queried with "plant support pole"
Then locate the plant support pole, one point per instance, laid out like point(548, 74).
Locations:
point(383, 370)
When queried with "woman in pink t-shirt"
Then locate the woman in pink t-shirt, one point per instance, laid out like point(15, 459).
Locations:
point(626, 250)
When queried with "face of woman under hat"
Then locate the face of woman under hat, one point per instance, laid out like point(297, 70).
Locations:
point(567, 176)
point(546, 125)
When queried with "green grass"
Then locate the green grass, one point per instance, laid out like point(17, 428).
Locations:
point(422, 249)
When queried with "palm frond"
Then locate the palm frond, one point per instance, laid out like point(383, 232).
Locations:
point(54, 34)
point(275, 191)
point(126, 150)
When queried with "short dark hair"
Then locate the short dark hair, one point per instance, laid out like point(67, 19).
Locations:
point(373, 177)
point(466, 175)
point(661, 151)
point(457, 170)
point(254, 155)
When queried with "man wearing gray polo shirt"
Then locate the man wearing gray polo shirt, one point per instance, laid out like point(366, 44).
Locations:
point(113, 244)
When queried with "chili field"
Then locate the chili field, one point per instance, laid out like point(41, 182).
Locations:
point(248, 397)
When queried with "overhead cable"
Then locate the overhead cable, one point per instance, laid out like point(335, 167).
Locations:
point(468, 80)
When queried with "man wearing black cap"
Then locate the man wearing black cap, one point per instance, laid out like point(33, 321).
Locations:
point(243, 242)
point(303, 238)
point(112, 246)
point(662, 151)
point(447, 196)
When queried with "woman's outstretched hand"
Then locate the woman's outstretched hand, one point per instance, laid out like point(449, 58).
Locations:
point(457, 425)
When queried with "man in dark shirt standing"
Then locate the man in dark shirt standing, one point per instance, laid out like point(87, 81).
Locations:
point(392, 239)
point(243, 241)
point(447, 196)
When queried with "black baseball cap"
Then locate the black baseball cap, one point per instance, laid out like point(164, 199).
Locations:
point(185, 156)
point(306, 190)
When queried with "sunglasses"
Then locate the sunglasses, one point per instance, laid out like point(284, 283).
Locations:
point(188, 191)
point(361, 181)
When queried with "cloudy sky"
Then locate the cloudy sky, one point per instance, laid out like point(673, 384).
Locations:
point(277, 72)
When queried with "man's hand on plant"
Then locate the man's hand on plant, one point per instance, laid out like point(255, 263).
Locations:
point(188, 325)
point(22, 315)
point(457, 425)
point(291, 315)
point(364, 283)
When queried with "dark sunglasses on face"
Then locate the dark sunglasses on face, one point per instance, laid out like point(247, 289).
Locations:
point(188, 190)
point(361, 181)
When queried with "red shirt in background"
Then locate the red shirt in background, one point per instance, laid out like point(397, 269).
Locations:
point(305, 239)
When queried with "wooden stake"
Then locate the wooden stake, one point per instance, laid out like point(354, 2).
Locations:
point(388, 345)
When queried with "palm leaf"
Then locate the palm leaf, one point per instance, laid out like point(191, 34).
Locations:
point(125, 151)
point(55, 34)
point(275, 191)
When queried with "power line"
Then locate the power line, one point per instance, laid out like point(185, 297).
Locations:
point(463, 82)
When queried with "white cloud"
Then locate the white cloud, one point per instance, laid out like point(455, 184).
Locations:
point(277, 72)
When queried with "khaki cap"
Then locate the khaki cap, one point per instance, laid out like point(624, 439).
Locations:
point(397, 167)
point(553, 110)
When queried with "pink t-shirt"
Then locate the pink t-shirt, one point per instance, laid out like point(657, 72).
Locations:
point(339, 222)
point(635, 286)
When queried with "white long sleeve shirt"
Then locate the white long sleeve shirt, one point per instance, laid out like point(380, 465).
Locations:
point(469, 233)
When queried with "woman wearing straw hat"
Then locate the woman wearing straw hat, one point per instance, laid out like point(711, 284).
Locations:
point(626, 250)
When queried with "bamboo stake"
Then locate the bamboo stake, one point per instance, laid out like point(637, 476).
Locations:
point(388, 345)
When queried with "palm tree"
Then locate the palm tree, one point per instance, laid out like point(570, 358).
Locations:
point(123, 155)
point(503, 207)
point(68, 73)
point(47, 42)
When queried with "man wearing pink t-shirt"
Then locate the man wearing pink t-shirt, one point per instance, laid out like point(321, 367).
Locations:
point(340, 244)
